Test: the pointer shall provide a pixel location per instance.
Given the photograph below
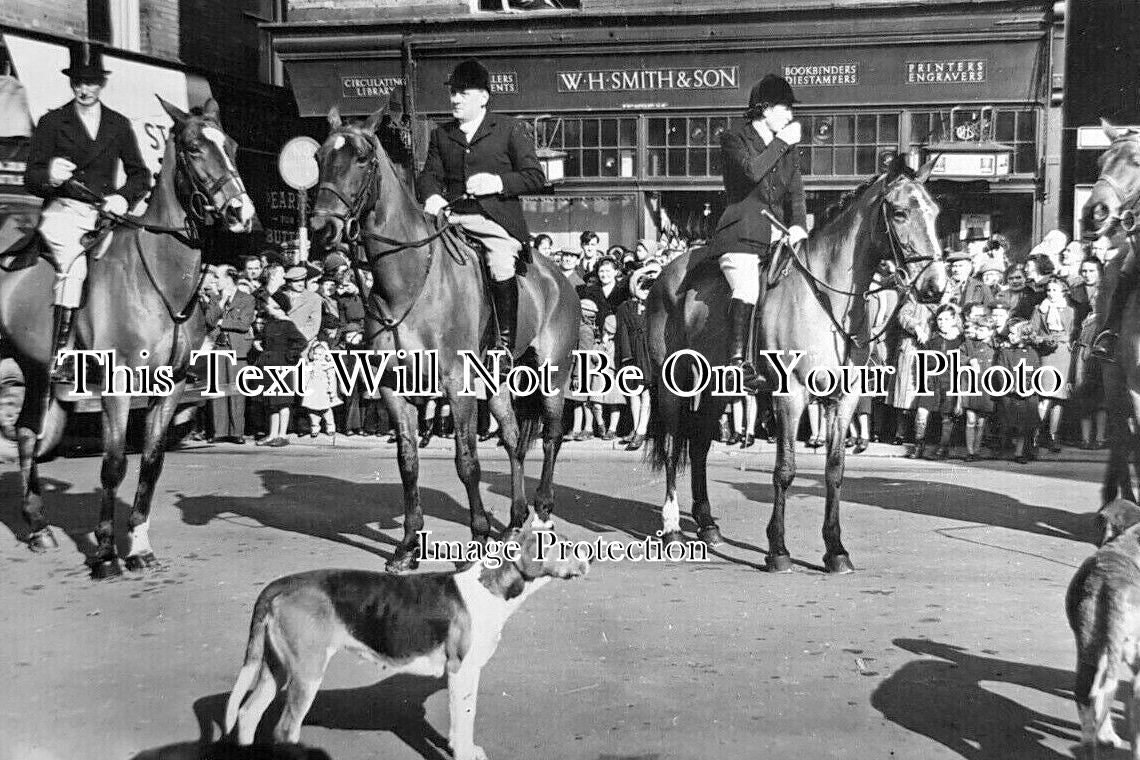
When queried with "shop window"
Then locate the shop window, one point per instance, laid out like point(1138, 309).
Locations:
point(1014, 127)
point(847, 144)
point(685, 146)
point(594, 147)
point(116, 22)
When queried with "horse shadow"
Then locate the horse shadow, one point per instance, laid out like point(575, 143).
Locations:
point(227, 751)
point(945, 699)
point(342, 511)
point(395, 704)
point(947, 500)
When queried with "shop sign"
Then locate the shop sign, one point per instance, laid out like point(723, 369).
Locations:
point(971, 71)
point(971, 165)
point(358, 86)
point(625, 80)
point(822, 75)
point(504, 83)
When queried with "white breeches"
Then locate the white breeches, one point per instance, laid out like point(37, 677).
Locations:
point(742, 270)
point(63, 223)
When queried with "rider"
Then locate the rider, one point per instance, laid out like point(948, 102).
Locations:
point(477, 166)
point(74, 148)
point(761, 173)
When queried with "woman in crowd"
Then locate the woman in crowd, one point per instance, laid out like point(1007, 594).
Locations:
point(947, 339)
point(281, 345)
point(1052, 326)
point(632, 348)
point(914, 321)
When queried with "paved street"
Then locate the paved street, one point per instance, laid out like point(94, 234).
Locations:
point(949, 641)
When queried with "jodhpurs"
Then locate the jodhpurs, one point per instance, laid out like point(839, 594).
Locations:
point(502, 249)
point(63, 223)
point(742, 270)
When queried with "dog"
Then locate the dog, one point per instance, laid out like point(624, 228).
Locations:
point(426, 624)
point(1114, 518)
point(1103, 607)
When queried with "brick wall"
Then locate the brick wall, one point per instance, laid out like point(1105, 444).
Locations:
point(159, 20)
point(56, 16)
point(219, 35)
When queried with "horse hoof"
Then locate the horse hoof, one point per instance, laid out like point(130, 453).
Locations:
point(710, 534)
point(102, 569)
point(144, 561)
point(778, 563)
point(838, 564)
point(403, 562)
point(672, 537)
point(42, 540)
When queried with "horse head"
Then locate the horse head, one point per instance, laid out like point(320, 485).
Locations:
point(1112, 206)
point(349, 162)
point(911, 217)
point(206, 178)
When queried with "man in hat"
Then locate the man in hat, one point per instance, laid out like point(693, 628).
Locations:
point(73, 160)
point(761, 174)
point(477, 166)
point(568, 265)
point(963, 287)
point(304, 304)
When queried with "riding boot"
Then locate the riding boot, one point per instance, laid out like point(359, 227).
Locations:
point(506, 297)
point(739, 322)
point(62, 371)
point(1104, 344)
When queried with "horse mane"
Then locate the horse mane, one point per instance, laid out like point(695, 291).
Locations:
point(835, 210)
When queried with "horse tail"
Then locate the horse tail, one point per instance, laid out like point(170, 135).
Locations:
point(668, 433)
point(254, 658)
point(529, 413)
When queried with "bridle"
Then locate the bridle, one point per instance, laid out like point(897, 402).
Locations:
point(204, 193)
point(1128, 219)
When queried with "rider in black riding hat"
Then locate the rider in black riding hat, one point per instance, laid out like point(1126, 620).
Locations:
point(477, 166)
point(761, 173)
point(81, 142)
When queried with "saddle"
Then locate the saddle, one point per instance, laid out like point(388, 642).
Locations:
point(21, 248)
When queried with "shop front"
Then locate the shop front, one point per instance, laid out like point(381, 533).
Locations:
point(636, 114)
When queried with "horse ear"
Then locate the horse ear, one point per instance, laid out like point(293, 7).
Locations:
point(1112, 132)
point(924, 171)
point(173, 111)
point(334, 118)
point(896, 166)
point(374, 119)
point(211, 111)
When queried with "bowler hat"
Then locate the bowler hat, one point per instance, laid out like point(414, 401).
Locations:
point(990, 266)
point(334, 261)
point(772, 90)
point(296, 273)
point(86, 61)
point(470, 75)
point(959, 255)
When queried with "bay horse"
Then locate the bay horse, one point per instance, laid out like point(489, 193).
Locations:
point(142, 303)
point(818, 307)
point(1112, 211)
point(431, 295)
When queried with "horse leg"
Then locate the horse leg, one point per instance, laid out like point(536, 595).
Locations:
point(699, 443)
point(667, 449)
point(552, 408)
point(28, 425)
point(408, 457)
point(835, 560)
point(500, 406)
point(463, 415)
point(788, 410)
point(140, 556)
point(104, 562)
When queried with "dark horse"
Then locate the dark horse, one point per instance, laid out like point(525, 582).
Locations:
point(430, 294)
point(1112, 211)
point(142, 303)
point(818, 307)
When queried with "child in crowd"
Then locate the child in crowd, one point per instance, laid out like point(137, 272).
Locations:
point(947, 339)
point(599, 402)
point(321, 392)
point(632, 348)
point(578, 395)
point(979, 352)
point(1021, 415)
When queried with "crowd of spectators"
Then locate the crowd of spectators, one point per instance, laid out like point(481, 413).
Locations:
point(998, 309)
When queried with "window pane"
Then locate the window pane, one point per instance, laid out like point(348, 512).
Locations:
point(805, 160)
point(572, 129)
point(677, 131)
point(821, 161)
point(867, 132)
point(1005, 126)
point(698, 162)
point(589, 163)
point(889, 128)
point(717, 125)
point(656, 162)
point(843, 129)
point(628, 133)
point(1025, 159)
point(844, 160)
point(698, 131)
point(611, 167)
point(715, 169)
point(676, 162)
point(609, 133)
point(657, 131)
point(589, 133)
point(1027, 125)
point(573, 163)
point(865, 160)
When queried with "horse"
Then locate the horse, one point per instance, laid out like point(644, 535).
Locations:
point(141, 303)
point(1111, 211)
point(816, 306)
point(430, 294)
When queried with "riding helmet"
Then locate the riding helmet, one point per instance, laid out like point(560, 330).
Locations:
point(470, 75)
point(772, 90)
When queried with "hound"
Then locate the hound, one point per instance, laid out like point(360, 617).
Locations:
point(1114, 518)
point(427, 624)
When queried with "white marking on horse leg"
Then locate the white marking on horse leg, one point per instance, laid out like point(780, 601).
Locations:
point(537, 524)
point(139, 539)
point(671, 513)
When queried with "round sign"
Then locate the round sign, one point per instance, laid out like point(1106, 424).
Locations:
point(297, 163)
